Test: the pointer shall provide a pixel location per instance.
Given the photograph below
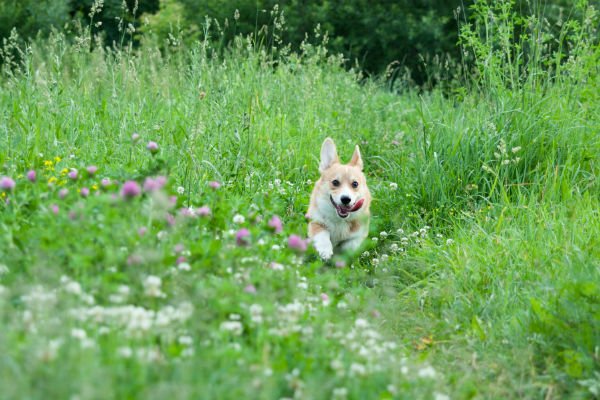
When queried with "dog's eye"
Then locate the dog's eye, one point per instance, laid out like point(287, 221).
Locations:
point(335, 183)
point(355, 184)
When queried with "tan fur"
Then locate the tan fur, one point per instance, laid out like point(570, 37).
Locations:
point(331, 232)
point(314, 228)
point(354, 226)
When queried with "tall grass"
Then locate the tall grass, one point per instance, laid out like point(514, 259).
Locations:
point(480, 278)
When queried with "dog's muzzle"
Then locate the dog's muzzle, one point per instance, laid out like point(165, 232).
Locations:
point(344, 211)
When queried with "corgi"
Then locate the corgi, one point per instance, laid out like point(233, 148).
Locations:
point(339, 204)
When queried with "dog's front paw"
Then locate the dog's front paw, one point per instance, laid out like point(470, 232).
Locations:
point(323, 245)
point(325, 253)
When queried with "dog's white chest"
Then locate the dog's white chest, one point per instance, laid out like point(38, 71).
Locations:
point(340, 232)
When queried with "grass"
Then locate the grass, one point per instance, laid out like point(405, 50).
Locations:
point(484, 285)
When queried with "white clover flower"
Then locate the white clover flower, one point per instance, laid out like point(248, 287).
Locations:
point(361, 323)
point(184, 266)
point(375, 261)
point(185, 340)
point(124, 352)
point(449, 242)
point(152, 285)
point(38, 296)
point(73, 287)
point(336, 364)
point(87, 343)
point(394, 247)
point(235, 327)
point(276, 247)
point(366, 254)
point(340, 393)
point(384, 257)
point(256, 309)
point(238, 219)
point(123, 290)
point(180, 190)
point(161, 235)
point(400, 231)
point(302, 285)
point(427, 372)
point(78, 333)
point(87, 298)
point(357, 369)
point(383, 234)
point(276, 266)
point(149, 355)
point(256, 313)
point(393, 186)
point(440, 396)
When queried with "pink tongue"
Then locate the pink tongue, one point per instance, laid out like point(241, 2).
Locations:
point(358, 205)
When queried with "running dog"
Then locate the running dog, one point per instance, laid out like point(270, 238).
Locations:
point(339, 204)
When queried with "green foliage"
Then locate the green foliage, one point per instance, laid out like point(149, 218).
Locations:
point(169, 24)
point(30, 16)
point(408, 33)
point(527, 52)
point(116, 20)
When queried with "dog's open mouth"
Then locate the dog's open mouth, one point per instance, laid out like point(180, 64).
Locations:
point(344, 211)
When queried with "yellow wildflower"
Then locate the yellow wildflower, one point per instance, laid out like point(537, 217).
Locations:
point(64, 171)
point(57, 159)
point(52, 180)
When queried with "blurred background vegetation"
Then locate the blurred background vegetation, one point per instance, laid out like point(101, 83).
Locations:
point(412, 38)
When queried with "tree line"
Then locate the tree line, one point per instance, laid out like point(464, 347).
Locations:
point(407, 35)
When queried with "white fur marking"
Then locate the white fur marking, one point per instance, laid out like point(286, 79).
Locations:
point(323, 245)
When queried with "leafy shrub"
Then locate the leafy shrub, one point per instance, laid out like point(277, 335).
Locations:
point(29, 17)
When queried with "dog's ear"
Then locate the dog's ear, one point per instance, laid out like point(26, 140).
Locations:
point(356, 158)
point(328, 155)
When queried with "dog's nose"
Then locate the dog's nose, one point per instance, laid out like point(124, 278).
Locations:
point(345, 200)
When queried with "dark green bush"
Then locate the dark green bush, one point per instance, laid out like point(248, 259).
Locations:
point(373, 33)
point(381, 36)
point(32, 16)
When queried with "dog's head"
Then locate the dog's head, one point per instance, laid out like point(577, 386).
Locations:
point(343, 186)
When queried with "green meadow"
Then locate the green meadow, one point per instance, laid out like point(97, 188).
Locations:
point(139, 270)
